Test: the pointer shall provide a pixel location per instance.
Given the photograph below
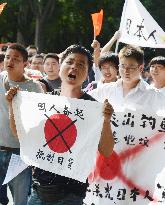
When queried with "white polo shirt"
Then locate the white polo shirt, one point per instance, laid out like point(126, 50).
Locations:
point(139, 97)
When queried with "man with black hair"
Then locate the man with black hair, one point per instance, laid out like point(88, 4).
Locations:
point(50, 188)
point(52, 80)
point(14, 63)
point(157, 70)
point(108, 64)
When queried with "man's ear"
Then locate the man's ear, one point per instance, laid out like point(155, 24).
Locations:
point(25, 64)
point(141, 67)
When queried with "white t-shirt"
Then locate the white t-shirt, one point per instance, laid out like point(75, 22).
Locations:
point(139, 97)
point(162, 90)
point(97, 72)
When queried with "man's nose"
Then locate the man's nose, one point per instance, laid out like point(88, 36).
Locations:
point(74, 66)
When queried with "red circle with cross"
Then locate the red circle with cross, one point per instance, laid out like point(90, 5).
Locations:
point(60, 133)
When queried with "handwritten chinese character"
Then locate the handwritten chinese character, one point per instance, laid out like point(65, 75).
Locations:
point(66, 111)
point(40, 154)
point(53, 107)
point(60, 160)
point(114, 120)
point(42, 106)
point(129, 120)
point(79, 113)
point(151, 121)
point(107, 192)
point(129, 139)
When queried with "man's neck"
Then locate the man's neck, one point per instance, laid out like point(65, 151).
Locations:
point(19, 78)
point(159, 84)
point(128, 86)
point(70, 91)
point(52, 77)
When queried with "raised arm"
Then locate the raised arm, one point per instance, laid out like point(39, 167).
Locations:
point(106, 143)
point(96, 51)
point(110, 43)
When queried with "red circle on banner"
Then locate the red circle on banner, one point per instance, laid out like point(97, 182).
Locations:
point(61, 121)
point(109, 167)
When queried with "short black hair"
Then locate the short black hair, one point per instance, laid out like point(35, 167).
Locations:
point(135, 52)
point(32, 46)
point(51, 55)
point(20, 48)
point(2, 56)
point(81, 50)
point(109, 57)
point(4, 48)
point(158, 60)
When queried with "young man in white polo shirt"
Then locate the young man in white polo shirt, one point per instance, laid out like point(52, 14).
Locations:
point(130, 90)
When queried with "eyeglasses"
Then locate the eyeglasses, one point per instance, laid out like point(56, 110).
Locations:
point(130, 67)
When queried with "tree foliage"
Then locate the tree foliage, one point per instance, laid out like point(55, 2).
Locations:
point(55, 24)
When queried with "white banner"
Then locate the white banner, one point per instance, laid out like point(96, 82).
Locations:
point(58, 134)
point(139, 28)
point(135, 173)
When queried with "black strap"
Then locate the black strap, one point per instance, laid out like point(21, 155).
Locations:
point(94, 85)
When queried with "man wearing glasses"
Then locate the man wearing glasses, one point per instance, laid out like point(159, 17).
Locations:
point(130, 91)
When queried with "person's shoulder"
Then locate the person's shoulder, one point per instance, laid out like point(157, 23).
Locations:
point(3, 74)
point(36, 85)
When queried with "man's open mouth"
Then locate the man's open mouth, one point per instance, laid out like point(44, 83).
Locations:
point(71, 76)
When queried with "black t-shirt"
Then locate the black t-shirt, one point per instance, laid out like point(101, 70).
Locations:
point(52, 86)
point(47, 178)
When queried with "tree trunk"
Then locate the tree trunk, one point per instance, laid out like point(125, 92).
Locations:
point(39, 35)
point(20, 38)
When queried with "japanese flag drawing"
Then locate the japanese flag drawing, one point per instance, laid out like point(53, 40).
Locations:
point(139, 28)
point(135, 172)
point(58, 134)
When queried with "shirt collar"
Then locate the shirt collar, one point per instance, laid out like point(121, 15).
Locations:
point(142, 85)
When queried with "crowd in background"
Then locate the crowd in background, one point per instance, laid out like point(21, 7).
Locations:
point(107, 68)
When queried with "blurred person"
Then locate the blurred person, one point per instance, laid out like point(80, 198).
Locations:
point(157, 70)
point(2, 56)
point(35, 67)
point(108, 64)
point(100, 51)
point(3, 49)
point(52, 81)
point(146, 75)
point(32, 50)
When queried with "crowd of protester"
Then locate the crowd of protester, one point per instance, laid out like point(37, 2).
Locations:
point(123, 79)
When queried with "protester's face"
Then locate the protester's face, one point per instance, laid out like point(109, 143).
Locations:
point(129, 69)
point(74, 69)
point(37, 64)
point(109, 71)
point(32, 52)
point(14, 62)
point(157, 72)
point(51, 67)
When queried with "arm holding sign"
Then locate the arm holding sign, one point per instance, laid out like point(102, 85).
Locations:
point(106, 143)
point(9, 97)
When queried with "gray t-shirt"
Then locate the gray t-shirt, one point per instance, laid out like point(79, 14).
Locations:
point(6, 137)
